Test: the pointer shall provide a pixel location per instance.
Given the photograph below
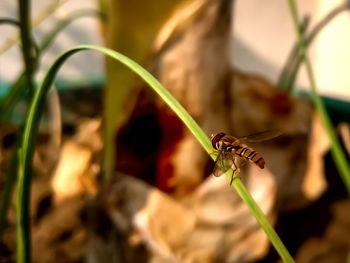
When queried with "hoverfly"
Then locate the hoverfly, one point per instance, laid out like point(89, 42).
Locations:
point(232, 153)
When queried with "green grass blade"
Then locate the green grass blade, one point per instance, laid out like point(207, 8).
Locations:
point(32, 124)
point(292, 60)
point(22, 210)
point(337, 153)
point(261, 218)
point(62, 24)
point(287, 79)
point(28, 48)
point(19, 87)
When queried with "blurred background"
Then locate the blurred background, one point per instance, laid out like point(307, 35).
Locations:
point(259, 45)
point(117, 176)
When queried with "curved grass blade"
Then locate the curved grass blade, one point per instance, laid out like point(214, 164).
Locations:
point(31, 127)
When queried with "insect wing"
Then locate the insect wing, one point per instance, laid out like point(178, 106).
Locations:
point(223, 162)
point(261, 136)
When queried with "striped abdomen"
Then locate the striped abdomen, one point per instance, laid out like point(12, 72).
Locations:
point(249, 154)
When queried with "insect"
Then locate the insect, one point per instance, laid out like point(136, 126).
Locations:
point(232, 153)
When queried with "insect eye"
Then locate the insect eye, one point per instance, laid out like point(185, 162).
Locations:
point(216, 138)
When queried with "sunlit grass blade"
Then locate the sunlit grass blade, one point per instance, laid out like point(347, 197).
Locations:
point(32, 124)
point(261, 218)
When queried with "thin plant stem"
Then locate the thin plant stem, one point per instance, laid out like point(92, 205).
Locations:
point(28, 50)
point(9, 21)
point(288, 75)
point(8, 102)
point(289, 67)
point(63, 23)
point(261, 218)
point(48, 11)
point(336, 151)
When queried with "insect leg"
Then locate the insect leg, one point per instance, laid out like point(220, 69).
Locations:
point(236, 169)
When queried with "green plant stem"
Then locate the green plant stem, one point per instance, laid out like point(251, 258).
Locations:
point(290, 70)
point(62, 24)
point(261, 218)
point(7, 103)
point(337, 153)
point(23, 228)
point(9, 21)
point(16, 91)
point(22, 211)
point(48, 11)
point(28, 50)
point(32, 124)
point(289, 67)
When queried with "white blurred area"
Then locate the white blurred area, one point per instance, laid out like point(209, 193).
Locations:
point(84, 66)
point(262, 39)
point(264, 35)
